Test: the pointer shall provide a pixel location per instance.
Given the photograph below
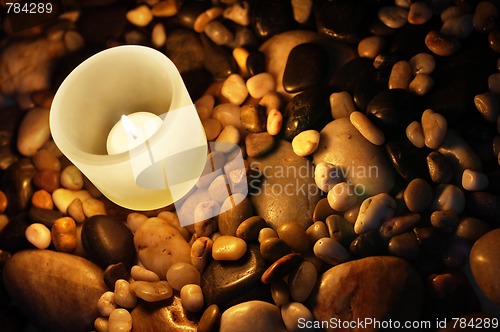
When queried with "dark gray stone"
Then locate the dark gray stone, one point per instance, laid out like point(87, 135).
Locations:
point(305, 67)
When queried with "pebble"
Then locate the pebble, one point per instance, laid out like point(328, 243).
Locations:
point(258, 144)
point(445, 221)
point(326, 176)
point(218, 59)
point(123, 295)
point(227, 114)
point(273, 248)
point(450, 12)
point(234, 215)
point(306, 143)
point(294, 314)
point(204, 106)
point(422, 63)
point(264, 316)
point(374, 211)
point(351, 284)
point(415, 134)
point(234, 89)
point(201, 251)
point(151, 291)
point(71, 178)
point(139, 273)
point(46, 160)
point(274, 122)
point(418, 195)
point(494, 83)
point(448, 197)
point(471, 228)
point(256, 63)
point(29, 279)
point(106, 304)
point(209, 319)
point(63, 234)
point(340, 230)
point(421, 84)
point(305, 67)
point(42, 199)
point(204, 19)
point(260, 84)
point(487, 105)
point(119, 320)
point(222, 282)
point(154, 252)
point(392, 16)
point(271, 101)
point(330, 251)
point(371, 46)
point(108, 241)
point(192, 298)
point(343, 196)
point(484, 264)
point(280, 268)
point(367, 128)
point(228, 248)
point(266, 233)
point(229, 134)
point(494, 40)
point(249, 229)
point(47, 180)
point(474, 180)
point(458, 27)
point(419, 13)
point(294, 235)
point(484, 16)
point(341, 104)
point(158, 35)
point(279, 293)
point(439, 167)
point(302, 281)
point(3, 202)
point(113, 272)
point(64, 197)
point(400, 75)
point(404, 245)
point(140, 16)
point(180, 274)
point(271, 18)
point(38, 235)
point(441, 44)
point(165, 8)
point(253, 118)
point(238, 13)
point(212, 128)
point(218, 33)
point(33, 131)
point(434, 126)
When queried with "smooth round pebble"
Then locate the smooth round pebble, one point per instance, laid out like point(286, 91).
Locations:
point(274, 122)
point(294, 314)
point(415, 134)
point(38, 235)
point(419, 13)
point(42, 199)
point(260, 84)
point(441, 44)
point(180, 274)
point(227, 114)
point(422, 63)
point(212, 128)
point(46, 160)
point(371, 46)
point(140, 16)
point(484, 263)
point(119, 320)
point(71, 178)
point(341, 104)
point(421, 84)
point(249, 229)
point(33, 131)
point(204, 106)
point(418, 195)
point(192, 298)
point(367, 128)
point(448, 197)
point(209, 319)
point(373, 211)
point(392, 16)
point(302, 281)
point(330, 251)
point(400, 76)
point(487, 104)
point(138, 273)
point(280, 293)
point(264, 317)
point(435, 127)
point(294, 235)
point(326, 176)
point(342, 196)
point(234, 89)
point(152, 291)
point(305, 143)
point(228, 248)
point(474, 180)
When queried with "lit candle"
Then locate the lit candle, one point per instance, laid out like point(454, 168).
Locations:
point(131, 131)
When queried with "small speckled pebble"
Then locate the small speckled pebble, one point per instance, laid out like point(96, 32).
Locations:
point(228, 248)
point(120, 320)
point(474, 180)
point(192, 298)
point(106, 304)
point(123, 296)
point(64, 234)
point(140, 16)
point(274, 122)
point(151, 291)
point(38, 235)
point(305, 143)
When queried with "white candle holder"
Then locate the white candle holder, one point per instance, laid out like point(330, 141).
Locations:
point(124, 80)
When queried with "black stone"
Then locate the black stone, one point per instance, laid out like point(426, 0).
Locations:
point(430, 240)
point(16, 184)
point(64, 66)
point(409, 161)
point(305, 67)
point(197, 82)
point(365, 91)
point(410, 39)
point(185, 50)
point(108, 241)
point(12, 237)
point(256, 63)
point(44, 216)
point(218, 59)
point(485, 206)
point(244, 37)
point(308, 110)
point(115, 272)
point(352, 73)
point(223, 281)
point(189, 11)
point(271, 17)
point(393, 110)
point(98, 25)
point(340, 229)
point(368, 244)
point(347, 21)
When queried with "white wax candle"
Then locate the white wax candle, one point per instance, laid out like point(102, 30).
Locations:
point(131, 131)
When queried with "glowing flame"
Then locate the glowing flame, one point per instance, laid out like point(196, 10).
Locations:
point(129, 126)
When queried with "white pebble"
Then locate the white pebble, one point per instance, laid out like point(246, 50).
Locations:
point(227, 114)
point(341, 104)
point(260, 84)
point(371, 46)
point(120, 320)
point(204, 106)
point(373, 212)
point(38, 235)
point(293, 314)
point(274, 122)
point(192, 298)
point(327, 176)
point(474, 180)
point(134, 220)
point(448, 197)
point(415, 134)
point(392, 16)
point(106, 304)
point(93, 207)
point(421, 84)
point(419, 13)
point(458, 27)
point(123, 296)
point(181, 274)
point(487, 105)
point(271, 101)
point(435, 127)
point(422, 63)
point(234, 89)
point(305, 143)
point(330, 251)
point(342, 196)
point(229, 135)
point(140, 16)
point(400, 75)
point(366, 128)
point(139, 273)
point(71, 178)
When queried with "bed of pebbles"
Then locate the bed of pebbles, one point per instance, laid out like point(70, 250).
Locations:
point(370, 131)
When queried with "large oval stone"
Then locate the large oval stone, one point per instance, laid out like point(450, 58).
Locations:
point(286, 190)
point(55, 290)
point(252, 315)
point(485, 264)
point(361, 162)
point(378, 287)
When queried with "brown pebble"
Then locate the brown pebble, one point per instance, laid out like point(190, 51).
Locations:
point(3, 202)
point(258, 144)
point(64, 234)
point(229, 220)
point(472, 229)
point(46, 160)
point(42, 199)
point(282, 267)
point(322, 210)
point(316, 231)
point(445, 221)
point(294, 235)
point(404, 246)
point(273, 249)
point(210, 319)
point(115, 272)
point(494, 40)
point(418, 195)
point(47, 180)
point(485, 264)
point(249, 229)
point(75, 211)
point(440, 44)
point(253, 118)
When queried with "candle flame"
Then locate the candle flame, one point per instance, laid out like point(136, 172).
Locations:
point(129, 126)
